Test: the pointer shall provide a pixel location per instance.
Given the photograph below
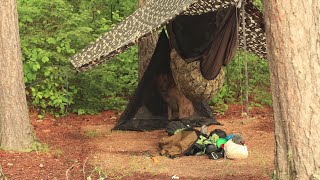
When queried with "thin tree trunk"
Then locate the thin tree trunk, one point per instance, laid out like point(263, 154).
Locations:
point(293, 38)
point(146, 47)
point(15, 129)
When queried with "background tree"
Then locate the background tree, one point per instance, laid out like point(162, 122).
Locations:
point(15, 128)
point(146, 47)
point(293, 38)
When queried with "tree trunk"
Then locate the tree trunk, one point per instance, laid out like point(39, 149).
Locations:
point(293, 38)
point(178, 105)
point(15, 129)
point(146, 47)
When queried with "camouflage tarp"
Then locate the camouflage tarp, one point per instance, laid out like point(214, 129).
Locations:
point(154, 15)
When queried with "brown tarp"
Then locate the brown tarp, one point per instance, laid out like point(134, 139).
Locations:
point(178, 145)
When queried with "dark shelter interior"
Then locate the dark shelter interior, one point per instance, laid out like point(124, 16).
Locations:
point(147, 109)
point(209, 38)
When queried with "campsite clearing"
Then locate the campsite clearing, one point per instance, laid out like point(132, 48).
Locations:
point(84, 146)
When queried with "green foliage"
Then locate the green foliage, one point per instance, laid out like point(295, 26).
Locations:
point(258, 3)
point(108, 86)
point(221, 99)
point(234, 88)
point(45, 49)
point(38, 147)
point(52, 31)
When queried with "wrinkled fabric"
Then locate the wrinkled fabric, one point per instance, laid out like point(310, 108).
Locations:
point(177, 145)
point(212, 41)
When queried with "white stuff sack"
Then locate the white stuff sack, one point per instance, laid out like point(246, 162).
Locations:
point(235, 151)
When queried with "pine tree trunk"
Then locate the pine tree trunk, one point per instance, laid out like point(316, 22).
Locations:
point(146, 47)
point(15, 129)
point(178, 105)
point(293, 38)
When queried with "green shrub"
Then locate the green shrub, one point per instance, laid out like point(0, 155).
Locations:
point(107, 86)
point(51, 32)
point(234, 89)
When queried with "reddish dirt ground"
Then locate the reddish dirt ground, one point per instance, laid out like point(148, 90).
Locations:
point(84, 146)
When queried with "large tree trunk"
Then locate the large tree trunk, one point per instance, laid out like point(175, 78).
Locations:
point(15, 128)
point(293, 38)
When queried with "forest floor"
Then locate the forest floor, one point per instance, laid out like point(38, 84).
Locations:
point(84, 147)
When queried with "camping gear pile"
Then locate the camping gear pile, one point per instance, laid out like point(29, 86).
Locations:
point(183, 140)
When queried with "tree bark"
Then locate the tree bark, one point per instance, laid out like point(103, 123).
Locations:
point(293, 40)
point(146, 45)
point(178, 105)
point(15, 128)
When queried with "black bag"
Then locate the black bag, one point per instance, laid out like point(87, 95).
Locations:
point(216, 155)
point(212, 148)
point(194, 150)
point(174, 126)
point(219, 132)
